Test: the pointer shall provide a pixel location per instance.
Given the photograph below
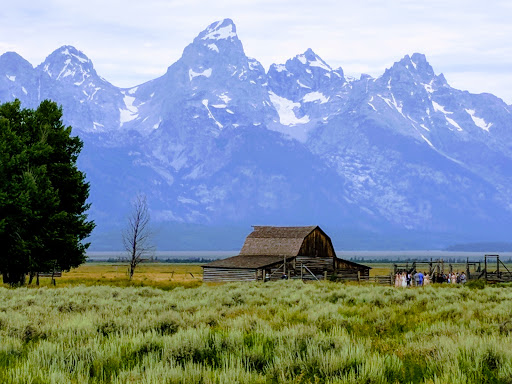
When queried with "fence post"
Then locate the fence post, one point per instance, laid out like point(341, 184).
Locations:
point(358, 276)
point(325, 275)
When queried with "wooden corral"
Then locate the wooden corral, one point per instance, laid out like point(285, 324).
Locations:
point(499, 275)
point(491, 269)
point(270, 253)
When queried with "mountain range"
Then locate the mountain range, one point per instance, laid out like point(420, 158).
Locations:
point(218, 144)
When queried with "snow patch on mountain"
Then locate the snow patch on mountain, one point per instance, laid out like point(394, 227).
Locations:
point(46, 69)
point(285, 109)
point(213, 47)
point(280, 67)
point(454, 123)
point(210, 114)
point(393, 104)
point(302, 85)
point(440, 108)
point(479, 122)
point(319, 64)
point(130, 112)
point(82, 59)
point(224, 97)
point(428, 87)
point(315, 96)
point(206, 73)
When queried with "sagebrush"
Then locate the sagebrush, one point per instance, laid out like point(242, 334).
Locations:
point(282, 332)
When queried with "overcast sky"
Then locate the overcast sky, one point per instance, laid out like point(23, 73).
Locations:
point(133, 41)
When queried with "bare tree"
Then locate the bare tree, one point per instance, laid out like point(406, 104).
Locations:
point(138, 235)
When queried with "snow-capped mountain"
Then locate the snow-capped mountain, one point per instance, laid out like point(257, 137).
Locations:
point(218, 141)
point(305, 92)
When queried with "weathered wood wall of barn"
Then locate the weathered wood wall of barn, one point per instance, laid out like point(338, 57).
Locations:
point(228, 274)
point(317, 244)
point(315, 264)
point(343, 265)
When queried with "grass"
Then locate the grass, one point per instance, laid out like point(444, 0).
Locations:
point(279, 332)
point(158, 275)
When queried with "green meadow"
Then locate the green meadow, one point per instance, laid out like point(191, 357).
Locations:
point(278, 332)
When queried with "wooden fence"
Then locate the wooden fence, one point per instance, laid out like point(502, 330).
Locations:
point(358, 278)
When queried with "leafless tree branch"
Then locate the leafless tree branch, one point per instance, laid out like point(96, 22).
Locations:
point(137, 237)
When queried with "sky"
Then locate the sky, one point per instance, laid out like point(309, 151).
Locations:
point(131, 42)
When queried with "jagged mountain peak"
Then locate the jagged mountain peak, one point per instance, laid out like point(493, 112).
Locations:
point(69, 53)
point(419, 58)
point(415, 65)
point(72, 52)
point(217, 55)
point(68, 64)
point(219, 42)
point(311, 59)
point(219, 30)
point(411, 72)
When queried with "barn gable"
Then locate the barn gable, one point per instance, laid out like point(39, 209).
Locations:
point(317, 244)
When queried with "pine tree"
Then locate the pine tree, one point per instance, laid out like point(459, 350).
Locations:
point(43, 195)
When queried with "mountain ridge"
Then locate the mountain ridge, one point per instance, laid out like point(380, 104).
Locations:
point(219, 141)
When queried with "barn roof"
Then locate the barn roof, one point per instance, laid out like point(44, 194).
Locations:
point(241, 261)
point(276, 241)
point(266, 232)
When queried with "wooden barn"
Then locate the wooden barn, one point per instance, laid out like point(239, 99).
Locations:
point(271, 252)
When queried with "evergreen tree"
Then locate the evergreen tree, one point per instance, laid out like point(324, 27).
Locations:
point(42, 193)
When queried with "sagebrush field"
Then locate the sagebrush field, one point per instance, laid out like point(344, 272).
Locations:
point(279, 332)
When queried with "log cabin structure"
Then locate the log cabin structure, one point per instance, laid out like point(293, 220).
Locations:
point(271, 252)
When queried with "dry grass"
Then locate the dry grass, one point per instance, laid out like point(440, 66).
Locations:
point(158, 275)
point(149, 271)
point(380, 269)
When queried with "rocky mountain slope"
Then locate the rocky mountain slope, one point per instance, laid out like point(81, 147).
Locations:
point(218, 142)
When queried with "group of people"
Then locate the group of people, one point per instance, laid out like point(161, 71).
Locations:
point(419, 279)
